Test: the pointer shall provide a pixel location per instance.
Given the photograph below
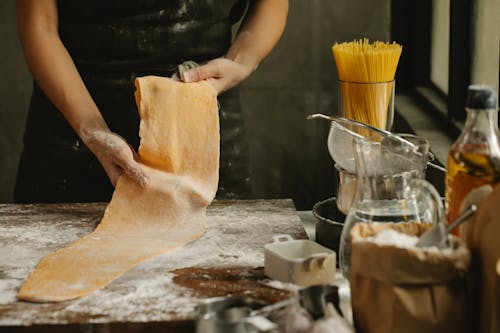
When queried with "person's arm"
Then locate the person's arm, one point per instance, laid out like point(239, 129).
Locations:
point(260, 31)
point(55, 72)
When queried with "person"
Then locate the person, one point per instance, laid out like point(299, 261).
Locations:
point(82, 127)
point(484, 275)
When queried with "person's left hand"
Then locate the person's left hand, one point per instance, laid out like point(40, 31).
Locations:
point(222, 73)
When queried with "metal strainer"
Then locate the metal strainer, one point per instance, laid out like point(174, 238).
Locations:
point(344, 132)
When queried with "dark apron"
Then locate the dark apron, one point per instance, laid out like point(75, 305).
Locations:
point(112, 42)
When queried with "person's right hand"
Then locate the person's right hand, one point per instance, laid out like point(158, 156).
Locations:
point(116, 156)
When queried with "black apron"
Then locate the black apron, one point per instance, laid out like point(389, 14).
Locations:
point(111, 43)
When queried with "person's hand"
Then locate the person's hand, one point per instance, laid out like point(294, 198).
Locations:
point(116, 156)
point(222, 73)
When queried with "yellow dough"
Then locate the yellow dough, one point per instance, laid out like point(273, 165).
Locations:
point(180, 153)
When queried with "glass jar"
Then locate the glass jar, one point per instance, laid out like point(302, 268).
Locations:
point(390, 188)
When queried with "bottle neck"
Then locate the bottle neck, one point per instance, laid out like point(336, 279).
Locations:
point(484, 121)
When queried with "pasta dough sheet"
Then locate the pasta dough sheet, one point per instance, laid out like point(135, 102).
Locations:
point(180, 154)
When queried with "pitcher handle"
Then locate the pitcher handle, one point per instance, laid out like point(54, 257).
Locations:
point(430, 191)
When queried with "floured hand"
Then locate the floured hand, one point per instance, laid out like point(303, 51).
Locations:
point(221, 73)
point(116, 156)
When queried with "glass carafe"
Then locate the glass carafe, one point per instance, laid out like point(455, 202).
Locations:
point(389, 187)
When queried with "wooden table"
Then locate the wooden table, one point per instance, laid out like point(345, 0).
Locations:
point(157, 295)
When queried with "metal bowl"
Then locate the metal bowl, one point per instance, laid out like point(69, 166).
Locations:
point(346, 191)
point(330, 221)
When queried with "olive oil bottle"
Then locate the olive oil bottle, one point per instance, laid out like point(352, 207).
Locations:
point(474, 158)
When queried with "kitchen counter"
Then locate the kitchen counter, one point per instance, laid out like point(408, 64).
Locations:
point(157, 295)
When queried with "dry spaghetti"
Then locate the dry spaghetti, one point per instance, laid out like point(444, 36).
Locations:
point(366, 73)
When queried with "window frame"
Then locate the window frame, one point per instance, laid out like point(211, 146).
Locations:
point(411, 26)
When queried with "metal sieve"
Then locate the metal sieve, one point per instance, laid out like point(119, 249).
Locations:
point(344, 132)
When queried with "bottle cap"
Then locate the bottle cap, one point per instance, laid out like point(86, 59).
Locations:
point(481, 97)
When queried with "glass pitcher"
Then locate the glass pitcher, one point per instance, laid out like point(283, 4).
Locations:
point(390, 187)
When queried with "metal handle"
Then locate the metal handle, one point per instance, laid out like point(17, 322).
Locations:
point(318, 258)
point(261, 323)
point(436, 166)
point(423, 187)
point(463, 216)
point(266, 310)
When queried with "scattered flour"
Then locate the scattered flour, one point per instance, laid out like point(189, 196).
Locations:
point(391, 237)
point(8, 290)
point(394, 238)
point(235, 236)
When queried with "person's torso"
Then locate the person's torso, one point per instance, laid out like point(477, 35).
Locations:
point(122, 35)
point(114, 41)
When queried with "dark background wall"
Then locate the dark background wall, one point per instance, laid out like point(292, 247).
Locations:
point(289, 158)
point(15, 91)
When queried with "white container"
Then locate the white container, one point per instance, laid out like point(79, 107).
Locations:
point(302, 262)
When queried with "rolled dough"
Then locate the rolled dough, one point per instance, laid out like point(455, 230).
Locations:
point(179, 151)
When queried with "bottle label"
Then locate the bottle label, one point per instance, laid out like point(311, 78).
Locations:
point(470, 176)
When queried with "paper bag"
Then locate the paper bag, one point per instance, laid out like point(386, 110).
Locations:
point(395, 289)
point(485, 245)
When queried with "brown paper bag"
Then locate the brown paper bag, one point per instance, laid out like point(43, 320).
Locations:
point(485, 245)
point(497, 318)
point(407, 290)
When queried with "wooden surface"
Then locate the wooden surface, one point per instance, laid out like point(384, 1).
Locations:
point(227, 260)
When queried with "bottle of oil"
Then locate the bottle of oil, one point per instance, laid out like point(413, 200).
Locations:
point(474, 158)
